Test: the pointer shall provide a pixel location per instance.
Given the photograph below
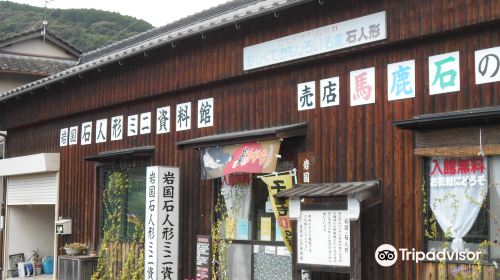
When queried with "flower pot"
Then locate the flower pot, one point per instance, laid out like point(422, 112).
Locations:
point(72, 252)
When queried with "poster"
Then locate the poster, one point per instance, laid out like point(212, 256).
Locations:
point(255, 157)
point(203, 257)
point(323, 238)
point(276, 184)
point(161, 240)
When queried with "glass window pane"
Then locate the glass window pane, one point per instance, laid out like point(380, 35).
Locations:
point(239, 261)
point(495, 205)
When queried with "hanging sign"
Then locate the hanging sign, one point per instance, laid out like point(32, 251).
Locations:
point(162, 223)
point(256, 157)
point(276, 184)
point(323, 238)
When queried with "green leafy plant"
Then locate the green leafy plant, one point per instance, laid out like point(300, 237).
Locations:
point(114, 198)
point(77, 246)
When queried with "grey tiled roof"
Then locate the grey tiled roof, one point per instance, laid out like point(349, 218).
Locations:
point(226, 14)
point(33, 65)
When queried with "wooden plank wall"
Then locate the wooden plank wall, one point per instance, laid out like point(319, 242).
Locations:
point(349, 143)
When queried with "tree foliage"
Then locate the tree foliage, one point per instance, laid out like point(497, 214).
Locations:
point(86, 29)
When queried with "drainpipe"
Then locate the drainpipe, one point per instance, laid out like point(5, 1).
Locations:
point(3, 137)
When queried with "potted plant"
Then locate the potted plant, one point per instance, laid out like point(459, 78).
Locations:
point(76, 248)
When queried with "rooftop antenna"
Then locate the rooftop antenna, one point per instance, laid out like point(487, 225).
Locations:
point(45, 22)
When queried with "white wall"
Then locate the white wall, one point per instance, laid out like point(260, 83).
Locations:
point(29, 228)
point(10, 81)
point(37, 46)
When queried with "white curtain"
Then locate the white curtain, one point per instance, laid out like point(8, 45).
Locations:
point(456, 200)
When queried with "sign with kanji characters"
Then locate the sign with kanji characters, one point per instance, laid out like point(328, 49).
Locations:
point(276, 184)
point(306, 96)
point(206, 112)
point(116, 128)
point(329, 92)
point(444, 73)
point(203, 257)
point(63, 137)
point(145, 123)
point(132, 125)
point(323, 238)
point(401, 80)
point(86, 133)
point(163, 120)
point(183, 116)
point(73, 135)
point(487, 65)
point(254, 157)
point(101, 131)
point(456, 172)
point(161, 242)
point(362, 83)
point(345, 34)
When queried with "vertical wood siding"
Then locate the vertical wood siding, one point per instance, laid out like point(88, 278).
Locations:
point(349, 143)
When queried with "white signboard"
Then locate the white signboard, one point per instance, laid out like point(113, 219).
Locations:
point(63, 137)
point(101, 131)
point(323, 238)
point(132, 125)
point(183, 116)
point(306, 96)
point(73, 135)
point(163, 120)
point(145, 123)
point(401, 80)
point(116, 128)
point(162, 223)
point(328, 38)
point(86, 134)
point(206, 112)
point(362, 83)
point(444, 73)
point(487, 65)
point(329, 92)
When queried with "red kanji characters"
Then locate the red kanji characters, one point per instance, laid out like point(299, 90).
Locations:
point(436, 167)
point(450, 167)
point(477, 165)
point(463, 166)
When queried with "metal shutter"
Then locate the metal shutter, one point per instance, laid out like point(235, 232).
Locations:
point(32, 189)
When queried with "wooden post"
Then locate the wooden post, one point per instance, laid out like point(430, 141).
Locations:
point(356, 249)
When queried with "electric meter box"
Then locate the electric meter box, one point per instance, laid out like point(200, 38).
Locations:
point(63, 226)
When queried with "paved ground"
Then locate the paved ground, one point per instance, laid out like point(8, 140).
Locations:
point(41, 277)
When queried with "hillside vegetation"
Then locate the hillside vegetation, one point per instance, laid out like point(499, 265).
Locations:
point(86, 29)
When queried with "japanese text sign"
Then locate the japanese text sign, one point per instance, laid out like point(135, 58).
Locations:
point(161, 240)
point(401, 80)
point(444, 73)
point(255, 157)
point(323, 238)
point(276, 184)
point(362, 83)
point(487, 65)
point(328, 38)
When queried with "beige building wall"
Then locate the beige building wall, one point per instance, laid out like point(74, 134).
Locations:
point(37, 47)
point(10, 81)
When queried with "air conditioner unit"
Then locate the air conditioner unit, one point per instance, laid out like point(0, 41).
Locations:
point(76, 267)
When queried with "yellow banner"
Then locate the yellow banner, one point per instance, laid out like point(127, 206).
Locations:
point(276, 184)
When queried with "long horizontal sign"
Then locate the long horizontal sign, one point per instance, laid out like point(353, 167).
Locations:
point(328, 38)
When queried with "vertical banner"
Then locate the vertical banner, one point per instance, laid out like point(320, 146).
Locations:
point(276, 184)
point(162, 223)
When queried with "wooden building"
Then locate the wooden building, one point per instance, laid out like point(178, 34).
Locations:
point(206, 56)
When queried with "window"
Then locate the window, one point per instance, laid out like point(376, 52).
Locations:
point(124, 194)
point(462, 203)
point(256, 250)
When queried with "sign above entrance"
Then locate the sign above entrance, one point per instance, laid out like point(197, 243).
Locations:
point(255, 157)
point(341, 35)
